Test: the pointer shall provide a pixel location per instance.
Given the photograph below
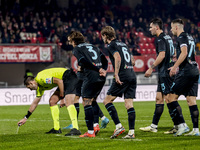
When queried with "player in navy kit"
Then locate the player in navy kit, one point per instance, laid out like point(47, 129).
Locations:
point(186, 80)
point(124, 81)
point(95, 65)
point(164, 60)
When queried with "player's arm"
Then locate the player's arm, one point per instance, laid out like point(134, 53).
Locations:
point(117, 67)
point(104, 61)
point(158, 60)
point(132, 60)
point(87, 64)
point(59, 82)
point(181, 58)
point(30, 111)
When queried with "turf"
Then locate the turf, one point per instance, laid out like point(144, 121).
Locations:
point(32, 134)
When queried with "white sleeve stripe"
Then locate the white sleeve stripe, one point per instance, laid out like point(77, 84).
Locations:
point(183, 45)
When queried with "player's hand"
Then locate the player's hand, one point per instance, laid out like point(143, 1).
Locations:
point(172, 71)
point(133, 63)
point(102, 72)
point(21, 122)
point(62, 103)
point(118, 80)
point(79, 68)
point(148, 72)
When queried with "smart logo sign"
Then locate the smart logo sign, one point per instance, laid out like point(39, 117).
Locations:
point(23, 96)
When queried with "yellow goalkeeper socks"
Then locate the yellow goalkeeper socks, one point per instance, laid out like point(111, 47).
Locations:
point(55, 115)
point(73, 115)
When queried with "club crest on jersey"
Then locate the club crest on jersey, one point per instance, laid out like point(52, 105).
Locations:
point(48, 80)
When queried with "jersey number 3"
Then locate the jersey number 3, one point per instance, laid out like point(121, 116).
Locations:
point(90, 49)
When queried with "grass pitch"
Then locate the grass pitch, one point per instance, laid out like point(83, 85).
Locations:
point(32, 134)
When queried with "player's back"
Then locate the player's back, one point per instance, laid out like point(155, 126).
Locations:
point(189, 63)
point(164, 43)
point(91, 54)
point(126, 71)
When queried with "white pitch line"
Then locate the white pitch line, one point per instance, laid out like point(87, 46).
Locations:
point(116, 139)
point(6, 120)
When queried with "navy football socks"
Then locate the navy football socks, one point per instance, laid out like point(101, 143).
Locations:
point(131, 118)
point(113, 112)
point(157, 114)
point(89, 116)
point(194, 112)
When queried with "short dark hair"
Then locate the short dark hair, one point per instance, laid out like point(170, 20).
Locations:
point(178, 20)
point(77, 37)
point(28, 79)
point(157, 21)
point(109, 32)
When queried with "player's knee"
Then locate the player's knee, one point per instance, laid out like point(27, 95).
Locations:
point(87, 101)
point(159, 100)
point(128, 105)
point(191, 101)
point(53, 101)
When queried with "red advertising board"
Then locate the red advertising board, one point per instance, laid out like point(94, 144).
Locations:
point(142, 63)
point(26, 54)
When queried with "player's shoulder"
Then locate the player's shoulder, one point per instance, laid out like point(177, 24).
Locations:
point(183, 35)
point(163, 36)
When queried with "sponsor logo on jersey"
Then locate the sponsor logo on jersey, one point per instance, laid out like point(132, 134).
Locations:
point(48, 81)
point(128, 67)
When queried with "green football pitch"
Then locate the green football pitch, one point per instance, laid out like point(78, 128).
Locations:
point(32, 134)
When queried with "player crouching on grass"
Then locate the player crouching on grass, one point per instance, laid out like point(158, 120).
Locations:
point(47, 79)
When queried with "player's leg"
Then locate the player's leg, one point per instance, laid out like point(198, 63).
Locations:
point(180, 86)
point(55, 112)
point(108, 102)
point(73, 114)
point(90, 91)
point(70, 83)
point(89, 117)
point(96, 109)
point(176, 114)
point(159, 107)
point(174, 119)
point(129, 94)
point(194, 113)
point(76, 104)
point(131, 118)
point(104, 119)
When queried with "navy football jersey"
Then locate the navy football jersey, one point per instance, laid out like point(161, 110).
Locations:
point(186, 40)
point(164, 43)
point(126, 71)
point(91, 54)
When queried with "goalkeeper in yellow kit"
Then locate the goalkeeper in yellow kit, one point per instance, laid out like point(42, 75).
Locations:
point(66, 81)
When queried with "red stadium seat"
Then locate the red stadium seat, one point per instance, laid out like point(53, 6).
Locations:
point(143, 51)
point(151, 45)
point(140, 34)
point(141, 45)
point(146, 45)
point(149, 40)
point(153, 51)
point(148, 51)
point(143, 40)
